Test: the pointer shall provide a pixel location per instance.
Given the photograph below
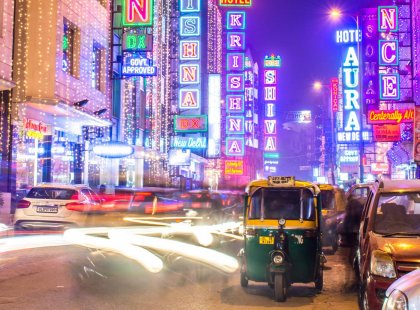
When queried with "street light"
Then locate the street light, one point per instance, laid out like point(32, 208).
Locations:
point(317, 85)
point(335, 15)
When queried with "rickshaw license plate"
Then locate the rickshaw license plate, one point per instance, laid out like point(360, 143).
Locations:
point(266, 240)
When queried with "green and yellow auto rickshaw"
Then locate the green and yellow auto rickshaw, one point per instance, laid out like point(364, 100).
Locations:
point(282, 234)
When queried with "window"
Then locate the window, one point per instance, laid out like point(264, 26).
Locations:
point(97, 66)
point(70, 48)
point(52, 193)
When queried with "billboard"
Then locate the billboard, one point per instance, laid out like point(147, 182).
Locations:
point(386, 133)
point(190, 123)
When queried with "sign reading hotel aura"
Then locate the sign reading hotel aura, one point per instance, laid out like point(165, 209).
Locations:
point(390, 116)
point(233, 3)
point(137, 13)
point(190, 123)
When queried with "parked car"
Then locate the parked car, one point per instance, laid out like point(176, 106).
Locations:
point(404, 293)
point(333, 204)
point(389, 238)
point(59, 206)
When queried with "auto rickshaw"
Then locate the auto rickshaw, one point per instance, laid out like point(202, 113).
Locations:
point(282, 237)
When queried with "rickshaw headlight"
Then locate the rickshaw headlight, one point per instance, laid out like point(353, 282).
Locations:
point(396, 301)
point(381, 264)
point(278, 259)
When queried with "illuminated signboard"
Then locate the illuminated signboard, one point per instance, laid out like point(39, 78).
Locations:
point(299, 116)
point(189, 74)
point(270, 77)
point(235, 3)
point(388, 19)
point(189, 98)
point(348, 36)
point(215, 115)
point(388, 53)
point(349, 156)
point(236, 41)
point(386, 133)
point(189, 6)
point(235, 82)
point(189, 26)
point(190, 123)
point(235, 103)
point(189, 142)
point(234, 167)
point(270, 93)
point(270, 110)
point(351, 96)
point(270, 127)
point(190, 50)
point(134, 42)
point(379, 168)
point(235, 146)
point(352, 136)
point(138, 66)
point(334, 94)
point(235, 125)
point(236, 20)
point(391, 116)
point(36, 129)
point(137, 13)
point(272, 155)
point(235, 62)
point(272, 61)
point(113, 150)
point(389, 85)
point(270, 144)
point(178, 157)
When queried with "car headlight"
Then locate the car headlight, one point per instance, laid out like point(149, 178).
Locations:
point(278, 259)
point(396, 301)
point(381, 264)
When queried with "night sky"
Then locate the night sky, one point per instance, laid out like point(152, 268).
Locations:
point(303, 35)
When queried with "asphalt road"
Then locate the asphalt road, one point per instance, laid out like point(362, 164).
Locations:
point(48, 278)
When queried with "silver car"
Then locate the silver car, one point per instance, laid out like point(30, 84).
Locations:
point(404, 293)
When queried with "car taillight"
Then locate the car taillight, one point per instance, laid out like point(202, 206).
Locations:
point(23, 204)
point(75, 206)
point(74, 197)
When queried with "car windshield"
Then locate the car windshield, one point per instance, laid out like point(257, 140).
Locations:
point(52, 193)
point(398, 213)
point(328, 201)
point(282, 203)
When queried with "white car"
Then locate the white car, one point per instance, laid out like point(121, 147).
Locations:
point(55, 206)
point(404, 293)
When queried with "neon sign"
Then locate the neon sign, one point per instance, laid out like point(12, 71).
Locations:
point(391, 116)
point(233, 3)
point(386, 133)
point(235, 125)
point(270, 77)
point(189, 26)
point(235, 82)
point(388, 19)
point(137, 42)
point(189, 74)
point(137, 13)
point(189, 142)
point(235, 61)
point(236, 41)
point(270, 93)
point(270, 144)
point(388, 53)
point(236, 20)
point(189, 98)
point(334, 94)
point(348, 36)
point(190, 123)
point(190, 50)
point(272, 61)
point(270, 127)
point(270, 110)
point(138, 66)
point(189, 6)
point(352, 136)
point(235, 146)
point(234, 167)
point(235, 103)
point(389, 85)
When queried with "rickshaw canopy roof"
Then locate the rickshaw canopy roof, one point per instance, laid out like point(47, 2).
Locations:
point(254, 185)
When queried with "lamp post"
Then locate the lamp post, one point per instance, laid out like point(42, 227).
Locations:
point(319, 87)
point(336, 14)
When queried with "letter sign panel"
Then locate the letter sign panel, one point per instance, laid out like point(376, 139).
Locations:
point(137, 13)
point(190, 26)
point(190, 50)
point(388, 18)
point(189, 99)
point(235, 83)
point(235, 3)
point(190, 123)
point(235, 146)
point(236, 41)
point(189, 6)
point(235, 125)
point(235, 103)
point(388, 53)
point(189, 74)
point(389, 86)
point(235, 61)
point(236, 20)
point(270, 77)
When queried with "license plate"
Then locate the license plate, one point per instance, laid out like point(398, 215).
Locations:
point(266, 240)
point(47, 209)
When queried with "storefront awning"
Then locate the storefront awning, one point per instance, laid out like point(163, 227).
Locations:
point(61, 116)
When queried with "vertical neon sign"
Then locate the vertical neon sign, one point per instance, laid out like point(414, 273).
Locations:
point(137, 13)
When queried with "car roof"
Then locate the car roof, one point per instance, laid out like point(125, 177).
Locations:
point(397, 185)
point(61, 185)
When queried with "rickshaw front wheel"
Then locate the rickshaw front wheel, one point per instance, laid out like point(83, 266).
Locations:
point(244, 280)
point(280, 287)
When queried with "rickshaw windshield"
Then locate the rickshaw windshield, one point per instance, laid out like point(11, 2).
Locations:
point(275, 203)
point(328, 201)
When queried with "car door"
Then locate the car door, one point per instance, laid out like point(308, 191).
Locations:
point(364, 233)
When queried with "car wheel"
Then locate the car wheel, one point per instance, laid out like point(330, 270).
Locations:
point(280, 287)
point(244, 280)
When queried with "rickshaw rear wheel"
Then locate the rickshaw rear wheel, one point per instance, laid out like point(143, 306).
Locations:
point(244, 280)
point(319, 282)
point(280, 287)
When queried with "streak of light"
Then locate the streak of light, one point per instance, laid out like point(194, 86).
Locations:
point(31, 242)
point(144, 257)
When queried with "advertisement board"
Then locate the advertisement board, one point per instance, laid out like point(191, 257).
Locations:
point(234, 167)
point(190, 123)
point(386, 133)
point(178, 157)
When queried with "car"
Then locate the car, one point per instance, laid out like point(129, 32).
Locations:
point(359, 191)
point(58, 206)
point(404, 293)
point(333, 204)
point(389, 238)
